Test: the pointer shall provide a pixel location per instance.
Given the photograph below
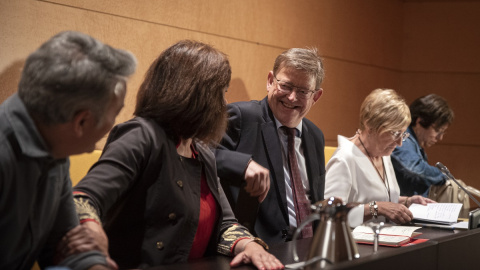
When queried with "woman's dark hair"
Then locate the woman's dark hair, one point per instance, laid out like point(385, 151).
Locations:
point(184, 91)
point(432, 110)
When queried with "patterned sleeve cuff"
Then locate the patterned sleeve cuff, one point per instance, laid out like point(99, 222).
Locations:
point(85, 210)
point(230, 237)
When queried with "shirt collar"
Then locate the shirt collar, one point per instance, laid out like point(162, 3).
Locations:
point(29, 139)
point(298, 127)
point(412, 134)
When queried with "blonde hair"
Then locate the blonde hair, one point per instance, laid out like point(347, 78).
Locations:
point(384, 110)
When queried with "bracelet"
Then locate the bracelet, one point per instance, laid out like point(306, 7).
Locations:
point(406, 201)
point(373, 209)
point(256, 240)
point(89, 219)
point(261, 243)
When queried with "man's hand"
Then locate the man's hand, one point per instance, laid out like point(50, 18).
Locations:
point(258, 180)
point(85, 237)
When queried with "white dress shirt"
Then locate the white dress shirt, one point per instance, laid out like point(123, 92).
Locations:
point(286, 169)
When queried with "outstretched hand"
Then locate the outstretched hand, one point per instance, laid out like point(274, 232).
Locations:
point(258, 256)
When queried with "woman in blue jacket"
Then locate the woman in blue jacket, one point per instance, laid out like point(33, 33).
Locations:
point(431, 116)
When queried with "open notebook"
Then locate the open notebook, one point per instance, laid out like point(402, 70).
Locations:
point(436, 213)
point(389, 236)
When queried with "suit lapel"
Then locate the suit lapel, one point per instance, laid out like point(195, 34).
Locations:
point(310, 151)
point(274, 154)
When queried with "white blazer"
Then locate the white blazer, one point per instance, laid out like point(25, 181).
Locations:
point(352, 176)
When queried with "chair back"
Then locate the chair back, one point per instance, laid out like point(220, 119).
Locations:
point(81, 164)
point(329, 150)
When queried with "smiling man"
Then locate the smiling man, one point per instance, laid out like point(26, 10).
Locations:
point(254, 161)
point(431, 116)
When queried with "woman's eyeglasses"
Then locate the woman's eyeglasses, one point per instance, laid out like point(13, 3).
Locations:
point(398, 134)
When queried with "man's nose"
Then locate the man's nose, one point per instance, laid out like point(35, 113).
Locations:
point(292, 95)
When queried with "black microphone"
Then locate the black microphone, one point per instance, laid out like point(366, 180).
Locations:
point(473, 216)
point(444, 170)
point(447, 173)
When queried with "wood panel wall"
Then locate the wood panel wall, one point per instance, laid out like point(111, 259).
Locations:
point(441, 54)
point(415, 47)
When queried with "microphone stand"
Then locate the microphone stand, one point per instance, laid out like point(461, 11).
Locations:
point(474, 215)
point(447, 173)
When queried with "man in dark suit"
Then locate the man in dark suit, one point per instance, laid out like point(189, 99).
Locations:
point(253, 158)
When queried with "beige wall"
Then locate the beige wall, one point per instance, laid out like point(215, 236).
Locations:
point(441, 53)
point(414, 47)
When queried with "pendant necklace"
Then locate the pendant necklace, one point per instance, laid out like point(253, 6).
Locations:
point(384, 178)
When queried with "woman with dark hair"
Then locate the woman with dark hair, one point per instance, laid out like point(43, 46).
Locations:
point(155, 188)
point(431, 116)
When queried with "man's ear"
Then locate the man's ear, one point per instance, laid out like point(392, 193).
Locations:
point(80, 121)
point(418, 121)
point(270, 79)
point(317, 95)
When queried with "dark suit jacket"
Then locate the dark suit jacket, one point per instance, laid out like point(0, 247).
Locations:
point(252, 134)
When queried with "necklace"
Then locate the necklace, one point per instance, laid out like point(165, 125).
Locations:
point(384, 178)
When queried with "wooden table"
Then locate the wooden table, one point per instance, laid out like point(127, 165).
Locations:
point(445, 249)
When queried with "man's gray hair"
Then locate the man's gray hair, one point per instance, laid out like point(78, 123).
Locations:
point(72, 72)
point(306, 60)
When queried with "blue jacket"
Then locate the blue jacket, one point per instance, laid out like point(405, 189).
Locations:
point(414, 174)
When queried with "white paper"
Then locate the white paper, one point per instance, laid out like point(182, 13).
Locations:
point(463, 225)
point(436, 212)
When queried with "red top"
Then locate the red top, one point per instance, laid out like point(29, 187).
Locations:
point(207, 219)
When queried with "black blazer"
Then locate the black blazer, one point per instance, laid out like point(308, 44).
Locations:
point(252, 134)
point(149, 200)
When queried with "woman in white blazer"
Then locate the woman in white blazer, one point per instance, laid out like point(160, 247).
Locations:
point(361, 170)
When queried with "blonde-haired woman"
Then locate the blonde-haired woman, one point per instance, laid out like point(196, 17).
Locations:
point(361, 170)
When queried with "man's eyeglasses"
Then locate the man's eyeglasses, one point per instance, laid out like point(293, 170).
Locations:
point(301, 93)
point(398, 134)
